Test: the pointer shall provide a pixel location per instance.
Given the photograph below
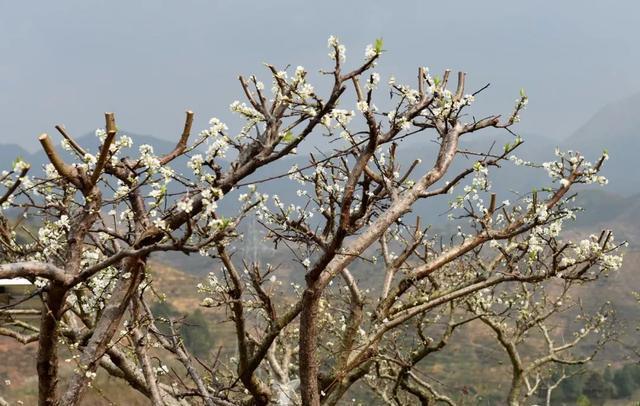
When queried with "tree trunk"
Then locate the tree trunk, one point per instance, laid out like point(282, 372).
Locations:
point(516, 388)
point(308, 344)
point(47, 359)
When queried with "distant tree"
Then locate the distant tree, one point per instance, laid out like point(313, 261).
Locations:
point(623, 382)
point(99, 219)
point(597, 389)
point(570, 389)
point(634, 371)
point(196, 334)
point(164, 309)
point(193, 328)
point(583, 401)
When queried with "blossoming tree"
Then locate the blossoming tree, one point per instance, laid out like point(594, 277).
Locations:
point(94, 223)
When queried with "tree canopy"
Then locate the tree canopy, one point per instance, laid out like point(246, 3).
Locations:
point(383, 291)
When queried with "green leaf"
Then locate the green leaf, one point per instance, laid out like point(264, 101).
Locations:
point(522, 93)
point(225, 223)
point(436, 80)
point(288, 137)
point(378, 45)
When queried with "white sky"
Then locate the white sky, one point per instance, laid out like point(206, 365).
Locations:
point(69, 61)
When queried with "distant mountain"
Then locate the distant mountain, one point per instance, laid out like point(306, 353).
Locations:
point(610, 211)
point(616, 127)
point(160, 146)
point(9, 152)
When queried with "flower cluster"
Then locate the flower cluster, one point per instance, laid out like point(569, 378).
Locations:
point(336, 49)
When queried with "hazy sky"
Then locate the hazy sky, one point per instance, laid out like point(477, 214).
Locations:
point(69, 61)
